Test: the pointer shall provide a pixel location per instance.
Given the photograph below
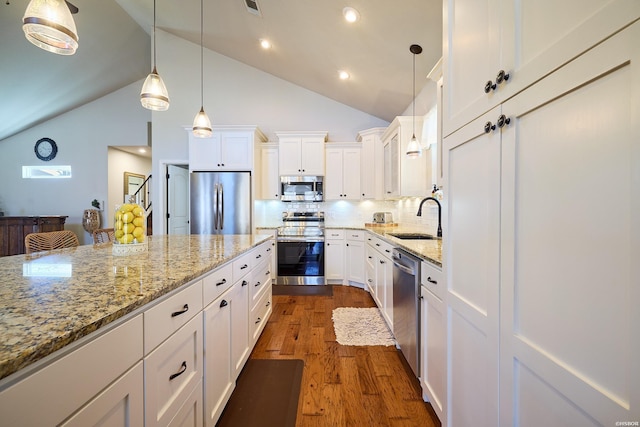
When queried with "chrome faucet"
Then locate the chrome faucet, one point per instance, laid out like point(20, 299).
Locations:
point(439, 213)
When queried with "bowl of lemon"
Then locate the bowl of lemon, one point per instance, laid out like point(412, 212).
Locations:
point(129, 229)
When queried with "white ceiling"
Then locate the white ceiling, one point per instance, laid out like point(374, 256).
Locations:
point(311, 42)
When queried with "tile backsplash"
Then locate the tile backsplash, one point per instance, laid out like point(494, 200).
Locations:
point(343, 213)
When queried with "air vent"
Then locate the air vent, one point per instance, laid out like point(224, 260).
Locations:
point(252, 6)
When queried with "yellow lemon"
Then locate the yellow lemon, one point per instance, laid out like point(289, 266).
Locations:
point(126, 207)
point(137, 232)
point(118, 225)
point(138, 222)
point(118, 234)
point(127, 217)
point(141, 238)
point(127, 238)
point(128, 228)
point(137, 211)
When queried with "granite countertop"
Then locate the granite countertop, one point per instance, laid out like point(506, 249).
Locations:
point(50, 299)
point(429, 250)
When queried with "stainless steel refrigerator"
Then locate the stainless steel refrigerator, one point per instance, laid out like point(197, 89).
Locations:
point(220, 202)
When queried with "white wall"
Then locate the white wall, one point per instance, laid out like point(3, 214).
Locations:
point(83, 136)
point(235, 94)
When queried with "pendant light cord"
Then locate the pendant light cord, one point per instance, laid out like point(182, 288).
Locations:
point(201, 55)
point(154, 35)
point(414, 95)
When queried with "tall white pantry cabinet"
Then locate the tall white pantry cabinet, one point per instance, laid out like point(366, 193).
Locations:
point(542, 228)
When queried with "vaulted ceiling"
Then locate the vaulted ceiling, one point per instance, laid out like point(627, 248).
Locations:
point(311, 42)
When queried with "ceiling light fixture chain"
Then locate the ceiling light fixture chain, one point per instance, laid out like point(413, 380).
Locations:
point(414, 149)
point(154, 95)
point(201, 123)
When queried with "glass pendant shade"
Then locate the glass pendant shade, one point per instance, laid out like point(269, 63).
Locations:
point(49, 25)
point(414, 149)
point(202, 125)
point(154, 95)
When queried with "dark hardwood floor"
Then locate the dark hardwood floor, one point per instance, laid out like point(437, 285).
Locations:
point(341, 385)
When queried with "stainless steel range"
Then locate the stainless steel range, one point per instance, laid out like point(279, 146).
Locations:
point(301, 249)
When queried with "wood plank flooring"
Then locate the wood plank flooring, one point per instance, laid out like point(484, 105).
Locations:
point(341, 385)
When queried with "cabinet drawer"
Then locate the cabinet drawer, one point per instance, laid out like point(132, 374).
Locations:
point(261, 280)
point(382, 246)
point(336, 234)
point(262, 253)
point(59, 389)
point(355, 235)
point(171, 372)
point(260, 314)
point(190, 414)
point(243, 265)
point(216, 283)
point(168, 316)
point(432, 278)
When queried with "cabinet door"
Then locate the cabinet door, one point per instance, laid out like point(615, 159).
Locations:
point(351, 173)
point(523, 39)
point(218, 379)
point(388, 184)
point(120, 404)
point(570, 178)
point(204, 153)
point(354, 261)
point(289, 156)
point(333, 189)
point(334, 260)
point(270, 185)
point(433, 351)
point(238, 299)
point(473, 220)
point(236, 151)
point(312, 156)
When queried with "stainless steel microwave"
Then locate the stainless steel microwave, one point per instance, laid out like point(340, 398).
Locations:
point(301, 188)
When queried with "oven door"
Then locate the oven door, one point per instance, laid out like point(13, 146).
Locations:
point(300, 261)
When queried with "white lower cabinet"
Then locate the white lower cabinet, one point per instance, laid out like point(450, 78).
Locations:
point(171, 372)
point(219, 381)
point(433, 352)
point(190, 414)
point(334, 256)
point(380, 253)
point(239, 301)
point(354, 257)
point(120, 404)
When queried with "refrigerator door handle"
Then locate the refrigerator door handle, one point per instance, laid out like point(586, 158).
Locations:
point(221, 210)
point(215, 206)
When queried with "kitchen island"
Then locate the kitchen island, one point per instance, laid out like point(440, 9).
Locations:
point(51, 299)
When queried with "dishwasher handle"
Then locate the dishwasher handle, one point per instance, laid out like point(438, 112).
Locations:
point(403, 267)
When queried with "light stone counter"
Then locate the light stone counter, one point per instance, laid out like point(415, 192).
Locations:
point(51, 299)
point(429, 250)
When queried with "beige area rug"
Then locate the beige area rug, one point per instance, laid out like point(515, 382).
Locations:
point(361, 326)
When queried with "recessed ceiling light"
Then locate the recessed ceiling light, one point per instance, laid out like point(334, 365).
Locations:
point(343, 75)
point(142, 150)
point(266, 44)
point(350, 14)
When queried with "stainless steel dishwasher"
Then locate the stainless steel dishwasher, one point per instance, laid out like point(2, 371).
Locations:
point(406, 306)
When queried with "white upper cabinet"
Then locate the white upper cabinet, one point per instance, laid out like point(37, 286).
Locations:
point(230, 148)
point(269, 173)
point(371, 180)
point(342, 181)
point(405, 177)
point(301, 153)
point(488, 40)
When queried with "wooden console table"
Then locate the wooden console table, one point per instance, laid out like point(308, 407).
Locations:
point(13, 229)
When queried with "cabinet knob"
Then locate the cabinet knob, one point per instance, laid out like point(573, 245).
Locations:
point(503, 120)
point(502, 77)
point(218, 164)
point(488, 127)
point(489, 86)
point(223, 303)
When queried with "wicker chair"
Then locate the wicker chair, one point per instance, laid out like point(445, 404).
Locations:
point(103, 235)
point(36, 242)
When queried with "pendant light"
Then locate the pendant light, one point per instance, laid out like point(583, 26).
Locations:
point(414, 149)
point(202, 124)
point(49, 25)
point(154, 95)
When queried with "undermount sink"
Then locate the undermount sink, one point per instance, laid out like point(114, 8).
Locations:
point(413, 236)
